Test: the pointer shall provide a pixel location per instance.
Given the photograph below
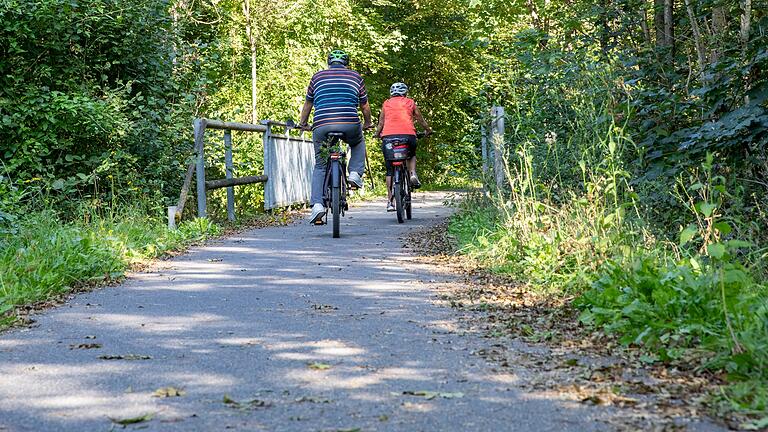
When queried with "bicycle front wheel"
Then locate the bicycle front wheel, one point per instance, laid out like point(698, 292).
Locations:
point(336, 209)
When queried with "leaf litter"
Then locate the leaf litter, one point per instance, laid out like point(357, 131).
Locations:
point(429, 395)
point(245, 405)
point(166, 392)
point(133, 420)
point(125, 357)
point(540, 333)
point(318, 366)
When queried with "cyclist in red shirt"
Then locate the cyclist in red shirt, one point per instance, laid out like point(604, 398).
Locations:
point(396, 120)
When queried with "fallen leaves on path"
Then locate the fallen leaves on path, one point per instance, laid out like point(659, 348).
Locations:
point(539, 334)
point(319, 366)
point(166, 392)
point(312, 399)
point(133, 420)
point(245, 405)
point(85, 346)
point(125, 357)
point(429, 395)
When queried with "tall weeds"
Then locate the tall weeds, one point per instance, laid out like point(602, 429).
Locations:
point(569, 221)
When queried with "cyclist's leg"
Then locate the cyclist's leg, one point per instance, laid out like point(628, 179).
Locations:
point(390, 171)
point(353, 135)
point(412, 152)
point(319, 135)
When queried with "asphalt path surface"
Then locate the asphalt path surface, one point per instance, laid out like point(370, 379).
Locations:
point(280, 329)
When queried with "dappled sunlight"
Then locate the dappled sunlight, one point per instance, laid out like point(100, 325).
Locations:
point(146, 323)
point(421, 407)
point(345, 377)
point(309, 327)
point(42, 385)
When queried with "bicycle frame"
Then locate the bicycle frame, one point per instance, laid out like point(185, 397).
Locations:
point(335, 184)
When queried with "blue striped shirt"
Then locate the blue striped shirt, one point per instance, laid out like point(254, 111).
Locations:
point(336, 93)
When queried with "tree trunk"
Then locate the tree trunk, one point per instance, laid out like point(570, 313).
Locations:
point(700, 51)
point(252, 45)
point(658, 21)
point(644, 26)
point(669, 26)
point(746, 15)
point(719, 24)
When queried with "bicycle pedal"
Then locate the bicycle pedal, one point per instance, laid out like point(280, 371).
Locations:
point(319, 222)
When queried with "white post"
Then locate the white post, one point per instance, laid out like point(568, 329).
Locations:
point(172, 217)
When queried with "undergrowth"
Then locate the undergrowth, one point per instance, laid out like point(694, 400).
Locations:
point(689, 293)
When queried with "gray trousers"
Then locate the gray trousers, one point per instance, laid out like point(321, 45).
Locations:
point(353, 135)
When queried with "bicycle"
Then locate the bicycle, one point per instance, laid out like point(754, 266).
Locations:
point(396, 151)
point(335, 186)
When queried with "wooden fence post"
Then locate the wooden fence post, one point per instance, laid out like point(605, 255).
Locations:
point(228, 172)
point(497, 141)
point(199, 149)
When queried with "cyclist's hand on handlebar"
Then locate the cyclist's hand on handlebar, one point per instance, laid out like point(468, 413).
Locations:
point(368, 126)
point(304, 126)
point(428, 132)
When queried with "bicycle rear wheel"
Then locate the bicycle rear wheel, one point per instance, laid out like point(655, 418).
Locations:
point(407, 198)
point(399, 191)
point(336, 209)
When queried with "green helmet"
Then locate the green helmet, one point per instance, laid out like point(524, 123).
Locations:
point(338, 56)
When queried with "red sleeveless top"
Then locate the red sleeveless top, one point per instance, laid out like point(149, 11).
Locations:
point(398, 116)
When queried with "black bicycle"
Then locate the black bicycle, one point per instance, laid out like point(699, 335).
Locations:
point(396, 152)
point(335, 186)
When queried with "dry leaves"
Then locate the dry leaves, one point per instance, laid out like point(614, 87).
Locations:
point(125, 357)
point(429, 395)
point(560, 355)
point(318, 366)
point(133, 420)
point(245, 405)
point(166, 392)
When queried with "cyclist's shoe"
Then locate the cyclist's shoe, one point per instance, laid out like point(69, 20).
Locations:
point(318, 211)
point(390, 207)
point(415, 181)
point(355, 182)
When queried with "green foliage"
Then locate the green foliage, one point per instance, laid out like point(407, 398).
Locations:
point(670, 307)
point(90, 98)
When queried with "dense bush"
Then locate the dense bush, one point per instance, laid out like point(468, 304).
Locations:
point(90, 99)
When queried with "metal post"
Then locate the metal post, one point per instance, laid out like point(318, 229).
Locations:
point(228, 172)
point(497, 140)
point(199, 149)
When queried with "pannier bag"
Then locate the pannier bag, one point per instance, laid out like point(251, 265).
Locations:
point(395, 150)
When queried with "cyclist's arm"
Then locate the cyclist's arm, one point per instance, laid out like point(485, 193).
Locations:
point(419, 118)
point(380, 125)
point(304, 117)
point(366, 108)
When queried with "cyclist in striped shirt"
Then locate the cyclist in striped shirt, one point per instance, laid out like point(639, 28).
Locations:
point(336, 93)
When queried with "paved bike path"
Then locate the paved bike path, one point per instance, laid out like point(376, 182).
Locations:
point(327, 334)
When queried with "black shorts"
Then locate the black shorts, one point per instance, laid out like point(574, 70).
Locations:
point(411, 149)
